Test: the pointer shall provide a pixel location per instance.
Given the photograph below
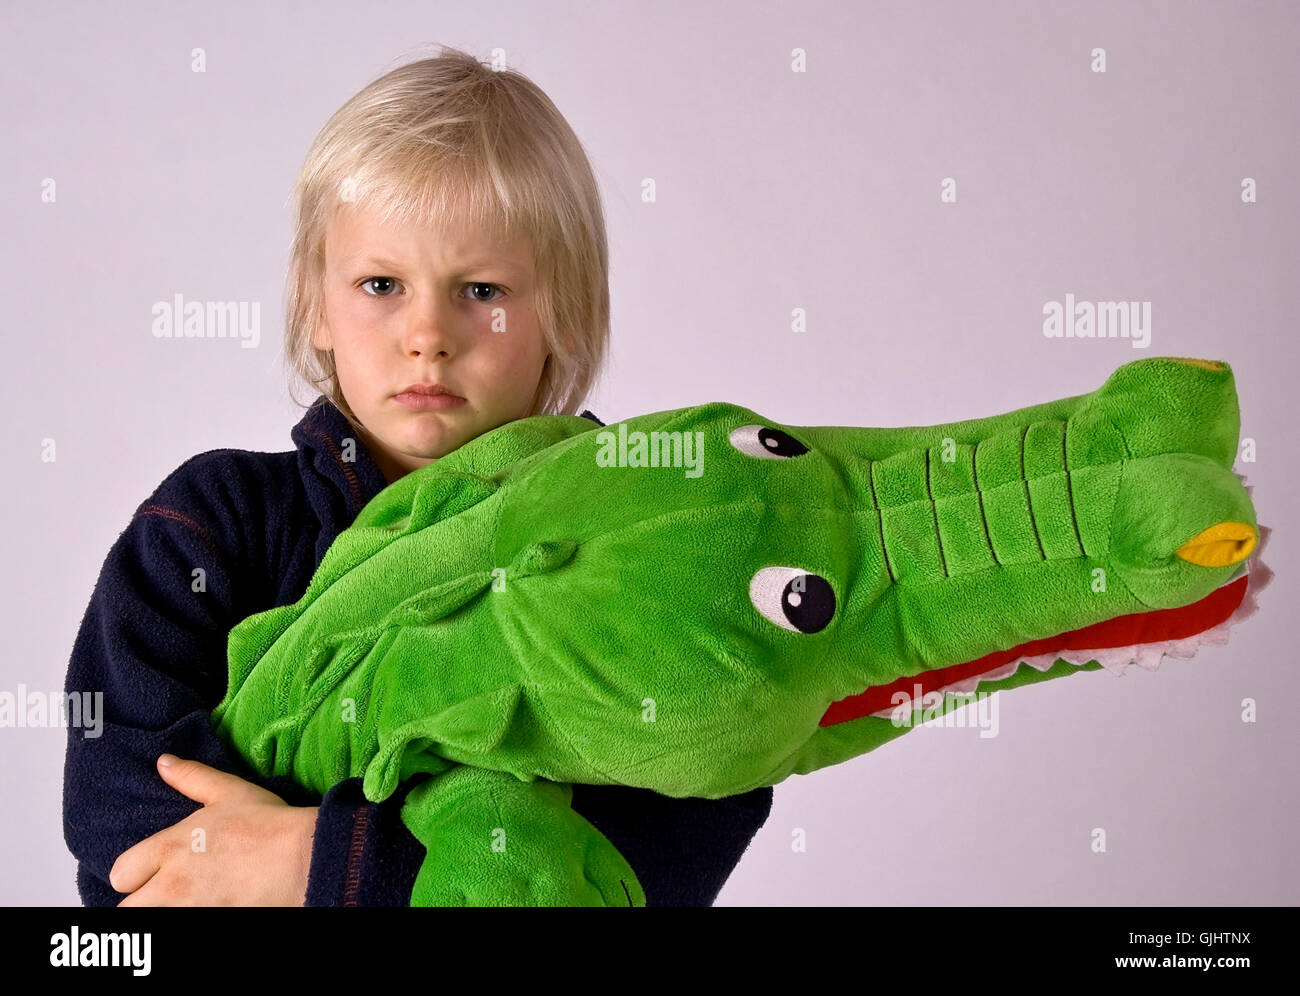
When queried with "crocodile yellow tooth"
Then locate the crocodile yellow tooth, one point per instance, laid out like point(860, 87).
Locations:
point(1222, 544)
point(1192, 361)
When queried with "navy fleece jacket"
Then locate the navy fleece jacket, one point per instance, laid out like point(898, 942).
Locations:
point(153, 640)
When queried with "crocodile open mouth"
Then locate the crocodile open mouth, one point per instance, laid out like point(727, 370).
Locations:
point(1141, 638)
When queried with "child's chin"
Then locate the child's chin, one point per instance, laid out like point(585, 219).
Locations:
point(435, 442)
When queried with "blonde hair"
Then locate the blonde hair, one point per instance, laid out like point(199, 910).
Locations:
point(450, 139)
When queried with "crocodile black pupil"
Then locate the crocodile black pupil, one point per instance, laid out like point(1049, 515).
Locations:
point(780, 443)
point(808, 603)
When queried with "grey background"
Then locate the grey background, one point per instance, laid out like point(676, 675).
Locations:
point(776, 190)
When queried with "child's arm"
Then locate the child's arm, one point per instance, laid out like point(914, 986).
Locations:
point(152, 643)
point(363, 854)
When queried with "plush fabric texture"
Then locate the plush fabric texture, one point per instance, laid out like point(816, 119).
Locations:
point(742, 601)
point(258, 524)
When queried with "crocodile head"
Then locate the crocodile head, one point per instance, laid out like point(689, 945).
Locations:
point(745, 599)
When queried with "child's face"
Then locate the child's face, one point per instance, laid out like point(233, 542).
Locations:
point(405, 305)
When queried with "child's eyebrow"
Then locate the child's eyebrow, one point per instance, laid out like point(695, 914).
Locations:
point(374, 261)
point(476, 264)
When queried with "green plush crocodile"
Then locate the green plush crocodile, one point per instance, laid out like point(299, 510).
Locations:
point(703, 601)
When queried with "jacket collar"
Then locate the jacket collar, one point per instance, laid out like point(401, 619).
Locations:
point(338, 471)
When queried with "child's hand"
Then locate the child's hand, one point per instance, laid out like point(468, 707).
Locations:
point(254, 849)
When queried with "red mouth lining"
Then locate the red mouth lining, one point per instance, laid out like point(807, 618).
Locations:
point(1123, 631)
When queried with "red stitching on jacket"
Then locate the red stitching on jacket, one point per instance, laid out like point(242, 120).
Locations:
point(171, 513)
point(348, 472)
point(352, 882)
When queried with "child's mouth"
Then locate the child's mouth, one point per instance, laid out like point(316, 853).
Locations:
point(428, 402)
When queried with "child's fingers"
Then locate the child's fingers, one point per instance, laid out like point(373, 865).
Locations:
point(138, 863)
point(148, 894)
point(203, 783)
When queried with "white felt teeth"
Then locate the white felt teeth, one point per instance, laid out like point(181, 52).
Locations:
point(1250, 488)
point(1117, 660)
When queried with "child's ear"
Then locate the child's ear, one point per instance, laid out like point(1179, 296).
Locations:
point(320, 337)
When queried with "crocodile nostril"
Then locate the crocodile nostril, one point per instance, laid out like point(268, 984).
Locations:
point(1222, 544)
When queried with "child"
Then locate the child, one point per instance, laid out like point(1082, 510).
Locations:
point(449, 274)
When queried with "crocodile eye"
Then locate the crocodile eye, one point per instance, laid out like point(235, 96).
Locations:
point(793, 598)
point(760, 441)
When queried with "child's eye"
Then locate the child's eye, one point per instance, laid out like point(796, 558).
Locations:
point(378, 280)
point(476, 289)
point(490, 287)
